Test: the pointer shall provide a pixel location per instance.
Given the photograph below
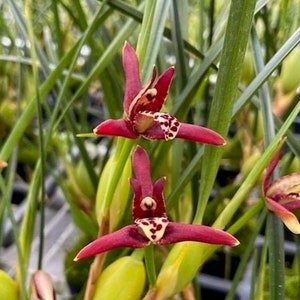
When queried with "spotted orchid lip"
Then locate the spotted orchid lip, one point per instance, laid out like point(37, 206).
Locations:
point(169, 125)
point(153, 228)
point(142, 109)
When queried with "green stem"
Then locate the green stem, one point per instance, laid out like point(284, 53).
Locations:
point(249, 249)
point(138, 253)
point(235, 43)
point(258, 290)
point(275, 237)
point(150, 264)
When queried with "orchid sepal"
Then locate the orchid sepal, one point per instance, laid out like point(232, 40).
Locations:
point(186, 131)
point(119, 127)
point(128, 236)
point(179, 232)
point(131, 68)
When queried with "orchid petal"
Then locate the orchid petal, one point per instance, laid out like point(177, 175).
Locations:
point(178, 232)
point(270, 170)
point(284, 185)
point(148, 200)
point(137, 212)
point(159, 197)
point(137, 189)
point(143, 97)
point(119, 127)
point(162, 87)
point(287, 217)
point(132, 78)
point(128, 236)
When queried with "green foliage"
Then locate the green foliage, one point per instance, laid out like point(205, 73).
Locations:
point(236, 72)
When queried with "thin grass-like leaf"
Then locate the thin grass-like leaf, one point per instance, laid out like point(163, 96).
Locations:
point(28, 223)
point(246, 256)
point(184, 99)
point(275, 237)
point(151, 35)
point(185, 177)
point(22, 26)
point(274, 62)
point(177, 39)
point(114, 47)
point(232, 56)
point(29, 111)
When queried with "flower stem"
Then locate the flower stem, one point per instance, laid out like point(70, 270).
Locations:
point(276, 257)
point(150, 265)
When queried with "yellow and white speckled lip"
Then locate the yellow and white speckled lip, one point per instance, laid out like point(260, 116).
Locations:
point(153, 228)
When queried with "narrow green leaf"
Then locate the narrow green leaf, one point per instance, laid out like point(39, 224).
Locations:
point(151, 34)
point(274, 62)
point(232, 56)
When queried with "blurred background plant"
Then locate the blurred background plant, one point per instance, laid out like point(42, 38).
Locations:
point(61, 74)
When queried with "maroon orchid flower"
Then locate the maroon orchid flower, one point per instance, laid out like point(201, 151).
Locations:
point(142, 107)
point(151, 222)
point(282, 196)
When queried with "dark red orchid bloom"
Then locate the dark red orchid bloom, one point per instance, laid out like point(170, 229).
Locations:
point(282, 196)
point(151, 224)
point(142, 107)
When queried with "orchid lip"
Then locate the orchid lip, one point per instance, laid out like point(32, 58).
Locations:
point(153, 228)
